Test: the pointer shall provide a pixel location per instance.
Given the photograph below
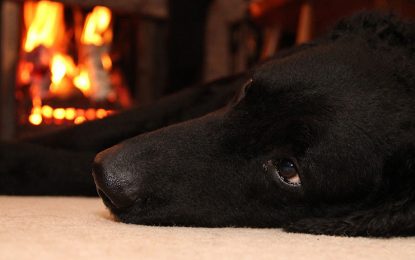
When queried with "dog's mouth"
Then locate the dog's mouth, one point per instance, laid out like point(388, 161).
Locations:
point(107, 201)
point(135, 214)
point(139, 205)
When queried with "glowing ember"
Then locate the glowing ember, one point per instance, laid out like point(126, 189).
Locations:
point(35, 118)
point(47, 112)
point(26, 69)
point(39, 115)
point(79, 120)
point(101, 113)
point(59, 113)
point(70, 114)
point(106, 61)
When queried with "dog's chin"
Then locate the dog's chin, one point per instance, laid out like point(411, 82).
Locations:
point(143, 216)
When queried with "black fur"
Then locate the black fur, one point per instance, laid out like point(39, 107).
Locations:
point(342, 108)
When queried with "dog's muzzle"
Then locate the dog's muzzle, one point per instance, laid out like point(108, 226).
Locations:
point(117, 187)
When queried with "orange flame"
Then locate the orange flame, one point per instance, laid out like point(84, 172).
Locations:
point(44, 21)
point(106, 61)
point(61, 66)
point(82, 82)
point(96, 27)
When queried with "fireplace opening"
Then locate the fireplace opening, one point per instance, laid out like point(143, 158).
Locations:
point(67, 62)
point(67, 72)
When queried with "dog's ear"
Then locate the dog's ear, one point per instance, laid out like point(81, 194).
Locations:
point(392, 213)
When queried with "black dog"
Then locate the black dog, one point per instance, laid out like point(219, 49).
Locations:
point(319, 140)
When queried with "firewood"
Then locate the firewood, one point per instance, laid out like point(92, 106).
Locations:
point(99, 78)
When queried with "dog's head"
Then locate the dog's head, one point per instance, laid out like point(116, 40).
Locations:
point(319, 141)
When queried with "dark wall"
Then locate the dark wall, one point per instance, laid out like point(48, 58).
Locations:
point(186, 42)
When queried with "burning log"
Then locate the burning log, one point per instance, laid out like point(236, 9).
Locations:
point(95, 41)
point(91, 56)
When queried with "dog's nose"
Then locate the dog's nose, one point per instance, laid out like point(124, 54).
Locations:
point(117, 185)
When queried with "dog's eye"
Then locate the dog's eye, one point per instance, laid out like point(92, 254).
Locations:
point(286, 171)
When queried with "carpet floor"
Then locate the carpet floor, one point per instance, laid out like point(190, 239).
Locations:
point(81, 228)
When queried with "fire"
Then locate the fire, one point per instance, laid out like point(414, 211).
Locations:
point(26, 69)
point(82, 81)
point(59, 113)
point(96, 25)
point(101, 113)
point(79, 120)
point(106, 61)
point(45, 27)
point(60, 67)
point(47, 114)
point(70, 113)
point(47, 111)
point(36, 116)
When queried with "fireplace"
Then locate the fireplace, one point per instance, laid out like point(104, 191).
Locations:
point(68, 62)
point(65, 73)
point(138, 50)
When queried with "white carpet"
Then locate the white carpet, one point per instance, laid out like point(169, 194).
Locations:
point(81, 228)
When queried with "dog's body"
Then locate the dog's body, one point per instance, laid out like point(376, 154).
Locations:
point(320, 140)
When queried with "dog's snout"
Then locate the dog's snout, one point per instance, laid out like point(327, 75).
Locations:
point(116, 184)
